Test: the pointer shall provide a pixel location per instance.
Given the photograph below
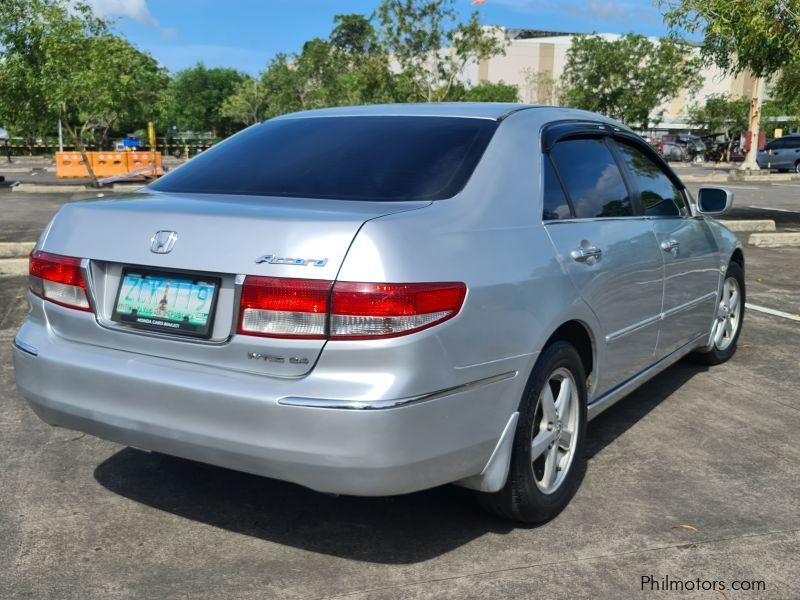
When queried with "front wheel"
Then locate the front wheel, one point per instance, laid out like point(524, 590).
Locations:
point(547, 461)
point(728, 321)
point(797, 167)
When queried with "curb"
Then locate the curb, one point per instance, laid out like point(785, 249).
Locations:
point(749, 225)
point(16, 249)
point(40, 188)
point(774, 240)
point(14, 266)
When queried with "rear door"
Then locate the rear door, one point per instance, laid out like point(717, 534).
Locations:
point(688, 248)
point(609, 253)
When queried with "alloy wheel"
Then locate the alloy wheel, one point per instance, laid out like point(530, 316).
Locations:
point(728, 315)
point(555, 428)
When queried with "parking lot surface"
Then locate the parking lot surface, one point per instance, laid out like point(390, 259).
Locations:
point(695, 475)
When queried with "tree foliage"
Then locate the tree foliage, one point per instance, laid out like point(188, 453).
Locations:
point(431, 46)
point(63, 61)
point(721, 114)
point(196, 96)
point(487, 91)
point(737, 35)
point(628, 78)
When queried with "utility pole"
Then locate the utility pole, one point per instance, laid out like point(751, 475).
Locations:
point(756, 100)
point(60, 137)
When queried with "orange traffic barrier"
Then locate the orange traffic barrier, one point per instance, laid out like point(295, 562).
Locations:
point(141, 160)
point(70, 164)
point(106, 164)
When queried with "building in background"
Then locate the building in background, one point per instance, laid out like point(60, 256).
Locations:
point(534, 61)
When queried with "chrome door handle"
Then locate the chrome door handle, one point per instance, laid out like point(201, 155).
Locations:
point(671, 246)
point(587, 253)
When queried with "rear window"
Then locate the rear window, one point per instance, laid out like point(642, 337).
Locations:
point(346, 158)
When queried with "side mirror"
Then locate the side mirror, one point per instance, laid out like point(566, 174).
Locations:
point(714, 201)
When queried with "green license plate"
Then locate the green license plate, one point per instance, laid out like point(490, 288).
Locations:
point(178, 304)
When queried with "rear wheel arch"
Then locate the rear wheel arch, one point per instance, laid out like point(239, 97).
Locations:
point(738, 257)
point(579, 336)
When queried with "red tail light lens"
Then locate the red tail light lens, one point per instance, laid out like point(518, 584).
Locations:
point(286, 308)
point(314, 309)
point(382, 310)
point(58, 279)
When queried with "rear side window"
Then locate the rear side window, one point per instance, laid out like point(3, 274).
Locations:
point(592, 178)
point(660, 197)
point(380, 158)
point(555, 201)
point(792, 142)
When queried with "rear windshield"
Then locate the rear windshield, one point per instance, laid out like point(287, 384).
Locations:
point(347, 158)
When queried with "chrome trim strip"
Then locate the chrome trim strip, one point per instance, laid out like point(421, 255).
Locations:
point(623, 389)
point(613, 337)
point(691, 304)
point(389, 404)
point(27, 348)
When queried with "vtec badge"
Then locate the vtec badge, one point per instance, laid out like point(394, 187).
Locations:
point(296, 262)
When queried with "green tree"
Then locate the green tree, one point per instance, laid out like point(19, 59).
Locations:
point(196, 96)
point(721, 114)
point(431, 46)
point(761, 36)
point(489, 92)
point(248, 104)
point(627, 78)
point(89, 101)
point(349, 68)
point(77, 71)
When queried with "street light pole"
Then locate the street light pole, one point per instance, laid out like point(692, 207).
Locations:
point(60, 137)
point(756, 100)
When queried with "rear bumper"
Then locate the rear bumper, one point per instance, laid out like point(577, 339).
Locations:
point(238, 420)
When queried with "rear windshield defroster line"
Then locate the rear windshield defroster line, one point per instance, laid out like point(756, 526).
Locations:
point(377, 158)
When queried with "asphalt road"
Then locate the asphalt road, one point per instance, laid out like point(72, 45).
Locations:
point(695, 475)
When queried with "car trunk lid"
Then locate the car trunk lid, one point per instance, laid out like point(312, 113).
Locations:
point(218, 236)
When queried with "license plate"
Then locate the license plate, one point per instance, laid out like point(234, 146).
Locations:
point(179, 304)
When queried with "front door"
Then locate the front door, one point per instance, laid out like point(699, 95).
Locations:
point(688, 249)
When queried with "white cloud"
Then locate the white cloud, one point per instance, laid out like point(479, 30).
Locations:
point(134, 9)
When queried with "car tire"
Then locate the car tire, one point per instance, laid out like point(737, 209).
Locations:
point(797, 167)
point(538, 488)
point(729, 319)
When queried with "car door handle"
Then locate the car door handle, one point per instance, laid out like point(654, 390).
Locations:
point(671, 246)
point(586, 253)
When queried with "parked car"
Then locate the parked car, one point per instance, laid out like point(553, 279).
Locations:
point(782, 154)
point(379, 300)
point(682, 147)
point(724, 151)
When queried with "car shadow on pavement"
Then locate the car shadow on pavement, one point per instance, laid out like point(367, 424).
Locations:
point(373, 530)
point(618, 419)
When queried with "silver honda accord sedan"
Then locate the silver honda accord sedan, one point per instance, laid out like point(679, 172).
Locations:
point(378, 300)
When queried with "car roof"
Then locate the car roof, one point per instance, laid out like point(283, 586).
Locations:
point(496, 111)
point(474, 110)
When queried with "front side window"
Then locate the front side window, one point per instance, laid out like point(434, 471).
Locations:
point(378, 158)
point(660, 197)
point(592, 178)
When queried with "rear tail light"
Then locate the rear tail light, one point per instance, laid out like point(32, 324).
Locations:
point(58, 279)
point(273, 307)
point(315, 309)
point(380, 310)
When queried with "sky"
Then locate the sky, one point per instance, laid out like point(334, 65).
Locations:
point(246, 34)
